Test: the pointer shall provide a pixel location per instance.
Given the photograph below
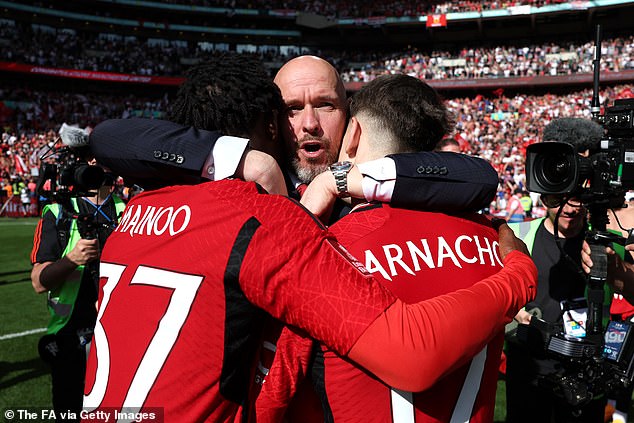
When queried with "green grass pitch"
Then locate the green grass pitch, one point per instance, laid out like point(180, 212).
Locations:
point(24, 379)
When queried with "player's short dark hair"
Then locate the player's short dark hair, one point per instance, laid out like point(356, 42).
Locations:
point(412, 110)
point(229, 94)
point(584, 134)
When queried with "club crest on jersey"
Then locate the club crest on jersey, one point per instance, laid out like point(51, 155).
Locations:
point(150, 220)
point(349, 257)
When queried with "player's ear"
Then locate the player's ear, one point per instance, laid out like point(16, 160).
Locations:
point(352, 137)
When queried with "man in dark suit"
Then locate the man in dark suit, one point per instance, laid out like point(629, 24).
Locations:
point(154, 153)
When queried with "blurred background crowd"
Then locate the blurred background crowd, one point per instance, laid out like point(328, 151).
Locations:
point(63, 48)
point(498, 113)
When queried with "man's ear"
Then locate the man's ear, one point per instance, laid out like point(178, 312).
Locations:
point(353, 135)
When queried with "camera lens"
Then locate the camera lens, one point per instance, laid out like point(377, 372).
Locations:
point(89, 177)
point(554, 168)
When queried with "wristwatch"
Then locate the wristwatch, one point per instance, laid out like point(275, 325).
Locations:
point(340, 172)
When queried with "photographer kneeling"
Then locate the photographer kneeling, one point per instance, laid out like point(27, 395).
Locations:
point(66, 249)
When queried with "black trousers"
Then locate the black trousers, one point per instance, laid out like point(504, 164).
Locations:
point(68, 372)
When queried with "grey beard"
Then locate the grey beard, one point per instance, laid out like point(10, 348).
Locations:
point(307, 173)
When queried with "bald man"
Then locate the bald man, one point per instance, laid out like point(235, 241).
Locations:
point(315, 115)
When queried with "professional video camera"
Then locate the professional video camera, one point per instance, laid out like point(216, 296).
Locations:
point(588, 368)
point(556, 168)
point(64, 171)
point(601, 361)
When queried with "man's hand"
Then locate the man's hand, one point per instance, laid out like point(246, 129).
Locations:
point(261, 168)
point(508, 241)
point(586, 261)
point(49, 275)
point(85, 251)
point(321, 194)
point(523, 317)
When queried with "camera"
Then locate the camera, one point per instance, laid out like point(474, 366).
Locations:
point(604, 176)
point(65, 172)
point(68, 176)
point(602, 361)
point(587, 369)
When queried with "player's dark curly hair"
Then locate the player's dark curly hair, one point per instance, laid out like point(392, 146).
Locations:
point(410, 109)
point(228, 94)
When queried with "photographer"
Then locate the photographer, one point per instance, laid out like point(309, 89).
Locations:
point(66, 249)
point(560, 285)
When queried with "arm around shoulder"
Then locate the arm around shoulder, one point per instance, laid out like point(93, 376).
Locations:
point(411, 346)
point(452, 181)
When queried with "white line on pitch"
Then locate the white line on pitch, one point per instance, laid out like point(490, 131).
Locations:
point(20, 334)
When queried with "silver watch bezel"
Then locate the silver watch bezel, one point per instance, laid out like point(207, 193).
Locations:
point(340, 171)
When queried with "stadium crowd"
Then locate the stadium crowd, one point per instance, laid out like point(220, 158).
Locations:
point(63, 48)
point(496, 128)
point(343, 9)
point(500, 62)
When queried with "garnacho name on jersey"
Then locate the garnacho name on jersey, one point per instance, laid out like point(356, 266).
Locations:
point(150, 220)
point(410, 256)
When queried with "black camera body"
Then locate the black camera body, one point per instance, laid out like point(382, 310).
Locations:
point(68, 175)
point(588, 369)
point(604, 176)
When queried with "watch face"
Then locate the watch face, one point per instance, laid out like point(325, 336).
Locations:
point(341, 166)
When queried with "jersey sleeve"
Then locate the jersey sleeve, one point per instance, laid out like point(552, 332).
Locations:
point(46, 246)
point(411, 346)
point(307, 279)
point(440, 181)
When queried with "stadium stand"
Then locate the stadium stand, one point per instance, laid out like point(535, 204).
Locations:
point(504, 74)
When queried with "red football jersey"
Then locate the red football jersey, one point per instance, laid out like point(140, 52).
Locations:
point(418, 256)
point(181, 277)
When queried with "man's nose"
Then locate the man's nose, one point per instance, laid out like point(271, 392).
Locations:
point(310, 120)
point(569, 209)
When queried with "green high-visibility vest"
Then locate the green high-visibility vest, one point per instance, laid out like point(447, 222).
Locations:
point(526, 231)
point(61, 300)
point(527, 203)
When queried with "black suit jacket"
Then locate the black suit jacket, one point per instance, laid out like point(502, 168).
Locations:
point(443, 181)
point(152, 153)
point(155, 153)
